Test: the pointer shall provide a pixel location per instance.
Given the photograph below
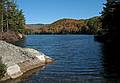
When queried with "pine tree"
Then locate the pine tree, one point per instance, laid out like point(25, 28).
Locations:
point(11, 18)
point(20, 21)
point(1, 14)
point(110, 20)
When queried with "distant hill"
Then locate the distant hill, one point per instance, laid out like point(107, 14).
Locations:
point(64, 26)
point(32, 26)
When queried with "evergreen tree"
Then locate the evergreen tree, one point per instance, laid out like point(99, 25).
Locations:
point(11, 18)
point(110, 20)
point(1, 14)
point(20, 21)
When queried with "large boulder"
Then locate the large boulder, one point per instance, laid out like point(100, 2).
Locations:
point(20, 60)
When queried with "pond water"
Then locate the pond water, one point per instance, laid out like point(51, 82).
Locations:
point(78, 59)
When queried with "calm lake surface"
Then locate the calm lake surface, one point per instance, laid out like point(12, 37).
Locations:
point(78, 59)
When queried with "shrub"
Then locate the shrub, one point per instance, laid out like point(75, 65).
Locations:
point(2, 69)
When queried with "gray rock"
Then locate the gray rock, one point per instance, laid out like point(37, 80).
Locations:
point(20, 60)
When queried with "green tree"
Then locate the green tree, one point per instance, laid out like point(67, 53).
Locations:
point(94, 24)
point(11, 18)
point(20, 21)
point(1, 14)
point(110, 20)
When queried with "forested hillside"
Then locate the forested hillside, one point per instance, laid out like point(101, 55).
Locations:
point(66, 26)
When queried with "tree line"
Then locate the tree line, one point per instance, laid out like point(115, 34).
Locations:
point(110, 22)
point(11, 18)
point(66, 26)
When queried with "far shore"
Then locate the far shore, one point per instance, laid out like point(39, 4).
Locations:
point(60, 34)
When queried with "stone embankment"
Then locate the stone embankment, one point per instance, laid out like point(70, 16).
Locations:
point(20, 60)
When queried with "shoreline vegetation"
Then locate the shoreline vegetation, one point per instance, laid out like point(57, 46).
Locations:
point(110, 24)
point(11, 37)
point(12, 21)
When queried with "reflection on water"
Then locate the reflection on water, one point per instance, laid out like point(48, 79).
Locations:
point(25, 76)
point(111, 62)
point(21, 43)
point(78, 59)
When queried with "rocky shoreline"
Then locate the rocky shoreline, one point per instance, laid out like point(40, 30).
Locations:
point(20, 60)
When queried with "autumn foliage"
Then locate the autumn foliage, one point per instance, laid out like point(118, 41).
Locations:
point(64, 26)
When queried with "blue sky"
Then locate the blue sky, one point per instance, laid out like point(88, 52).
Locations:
point(48, 11)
